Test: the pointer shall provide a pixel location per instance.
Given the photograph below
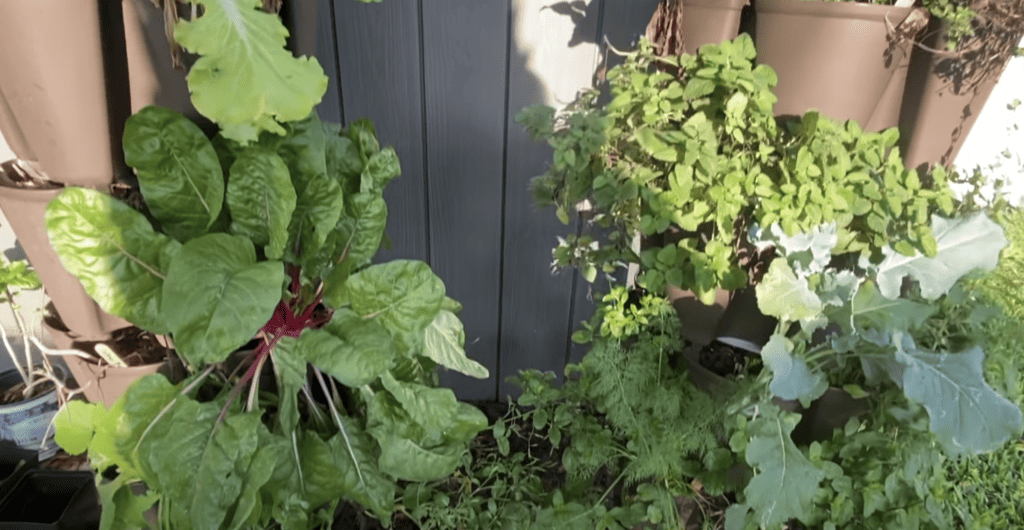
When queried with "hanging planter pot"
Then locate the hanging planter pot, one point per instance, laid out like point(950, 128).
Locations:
point(679, 26)
point(62, 102)
point(946, 90)
point(142, 353)
point(27, 422)
point(23, 200)
point(834, 57)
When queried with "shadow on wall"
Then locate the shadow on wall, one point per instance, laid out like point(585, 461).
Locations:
point(555, 52)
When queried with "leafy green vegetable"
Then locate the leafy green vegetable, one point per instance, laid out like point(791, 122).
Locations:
point(245, 79)
point(261, 199)
point(217, 296)
point(787, 483)
point(177, 168)
point(967, 415)
point(115, 253)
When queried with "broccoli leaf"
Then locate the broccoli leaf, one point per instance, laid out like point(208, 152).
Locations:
point(967, 415)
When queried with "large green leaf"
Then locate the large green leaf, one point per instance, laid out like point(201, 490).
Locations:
point(380, 169)
point(201, 464)
point(792, 379)
point(404, 295)
point(872, 310)
point(245, 78)
point(330, 472)
point(261, 468)
point(784, 296)
point(217, 296)
point(318, 206)
point(443, 342)
point(343, 161)
point(128, 422)
point(122, 508)
point(431, 408)
point(361, 239)
point(290, 369)
point(261, 199)
point(406, 460)
point(964, 244)
point(179, 173)
point(115, 253)
point(967, 416)
point(786, 483)
point(351, 349)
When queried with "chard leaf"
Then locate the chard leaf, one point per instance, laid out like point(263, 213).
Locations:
point(122, 508)
point(784, 296)
point(261, 469)
point(406, 460)
point(380, 169)
point(410, 452)
point(431, 408)
point(179, 172)
point(217, 296)
point(363, 133)
point(786, 483)
point(203, 467)
point(114, 252)
point(443, 342)
point(404, 295)
point(261, 199)
point(342, 160)
point(127, 424)
point(245, 78)
point(318, 206)
point(352, 350)
point(290, 369)
point(330, 471)
point(967, 416)
point(964, 244)
point(73, 426)
point(792, 379)
point(361, 239)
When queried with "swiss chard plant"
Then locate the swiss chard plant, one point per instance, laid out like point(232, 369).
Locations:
point(313, 369)
point(874, 325)
point(688, 153)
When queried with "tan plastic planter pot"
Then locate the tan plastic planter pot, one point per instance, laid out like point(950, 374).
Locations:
point(55, 106)
point(830, 56)
point(710, 21)
point(24, 209)
point(102, 383)
point(946, 91)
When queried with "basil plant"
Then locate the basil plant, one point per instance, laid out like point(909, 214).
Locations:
point(254, 251)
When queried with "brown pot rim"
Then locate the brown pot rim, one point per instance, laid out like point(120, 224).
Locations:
point(725, 5)
point(819, 8)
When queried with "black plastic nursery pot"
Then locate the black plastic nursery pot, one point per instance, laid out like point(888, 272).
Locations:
point(52, 500)
point(834, 57)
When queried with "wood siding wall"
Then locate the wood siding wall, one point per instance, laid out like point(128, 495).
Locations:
point(443, 81)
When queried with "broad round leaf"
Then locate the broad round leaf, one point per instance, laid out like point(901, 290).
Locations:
point(217, 296)
point(179, 173)
point(114, 252)
point(404, 295)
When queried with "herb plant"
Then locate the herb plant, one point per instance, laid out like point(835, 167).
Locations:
point(262, 236)
point(688, 146)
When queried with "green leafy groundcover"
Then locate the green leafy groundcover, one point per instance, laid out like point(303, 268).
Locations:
point(259, 242)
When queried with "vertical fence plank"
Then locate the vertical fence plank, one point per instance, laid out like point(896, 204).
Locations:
point(464, 45)
point(553, 56)
point(327, 55)
point(378, 50)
